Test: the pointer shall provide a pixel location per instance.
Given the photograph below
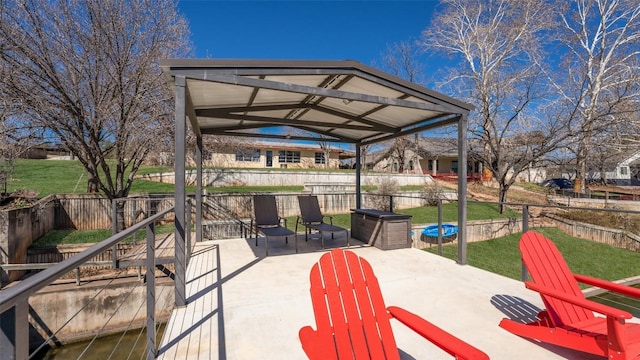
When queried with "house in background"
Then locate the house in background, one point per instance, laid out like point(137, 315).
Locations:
point(437, 157)
point(271, 154)
point(623, 170)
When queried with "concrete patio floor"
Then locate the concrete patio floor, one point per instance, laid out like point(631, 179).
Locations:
point(243, 305)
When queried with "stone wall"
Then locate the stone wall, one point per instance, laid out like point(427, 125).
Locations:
point(235, 177)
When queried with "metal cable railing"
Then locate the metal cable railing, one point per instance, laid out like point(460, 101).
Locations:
point(51, 337)
point(14, 301)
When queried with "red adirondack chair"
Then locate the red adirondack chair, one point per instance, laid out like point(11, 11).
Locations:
point(352, 320)
point(569, 319)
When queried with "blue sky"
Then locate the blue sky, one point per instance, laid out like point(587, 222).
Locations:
point(303, 29)
point(323, 30)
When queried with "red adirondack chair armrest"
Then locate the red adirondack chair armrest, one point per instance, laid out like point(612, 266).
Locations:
point(447, 342)
point(608, 285)
point(587, 304)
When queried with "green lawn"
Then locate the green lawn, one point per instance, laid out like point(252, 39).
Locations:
point(429, 214)
point(69, 177)
point(475, 211)
point(501, 256)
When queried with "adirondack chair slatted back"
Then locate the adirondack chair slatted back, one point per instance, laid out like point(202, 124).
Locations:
point(348, 303)
point(547, 267)
point(265, 210)
point(310, 209)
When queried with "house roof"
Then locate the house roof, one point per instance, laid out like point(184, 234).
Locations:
point(342, 101)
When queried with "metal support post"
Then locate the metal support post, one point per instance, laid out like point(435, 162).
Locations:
point(198, 189)
point(525, 228)
point(180, 191)
point(462, 190)
point(358, 179)
point(440, 227)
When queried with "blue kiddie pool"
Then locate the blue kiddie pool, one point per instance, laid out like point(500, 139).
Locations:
point(430, 233)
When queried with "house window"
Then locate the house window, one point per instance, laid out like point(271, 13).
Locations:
point(624, 170)
point(411, 165)
point(252, 155)
point(454, 166)
point(289, 156)
point(320, 158)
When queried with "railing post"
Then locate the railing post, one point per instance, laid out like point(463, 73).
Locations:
point(440, 227)
point(188, 230)
point(151, 292)
point(391, 203)
point(525, 228)
point(14, 332)
point(114, 230)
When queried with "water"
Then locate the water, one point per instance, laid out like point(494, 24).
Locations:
point(106, 347)
point(618, 301)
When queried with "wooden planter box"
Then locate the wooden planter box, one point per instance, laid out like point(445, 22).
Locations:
point(382, 229)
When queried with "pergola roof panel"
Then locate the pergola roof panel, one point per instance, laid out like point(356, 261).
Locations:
point(203, 95)
point(403, 117)
point(362, 86)
point(275, 97)
point(355, 108)
point(342, 99)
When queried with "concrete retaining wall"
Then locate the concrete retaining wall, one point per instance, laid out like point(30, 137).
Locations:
point(478, 230)
point(596, 203)
point(125, 300)
point(235, 177)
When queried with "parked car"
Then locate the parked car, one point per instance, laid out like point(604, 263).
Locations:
point(558, 183)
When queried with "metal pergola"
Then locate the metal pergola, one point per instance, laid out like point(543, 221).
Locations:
point(340, 101)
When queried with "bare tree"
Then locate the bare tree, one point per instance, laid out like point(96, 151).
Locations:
point(89, 75)
point(402, 60)
point(400, 153)
point(497, 43)
point(15, 136)
point(365, 150)
point(599, 72)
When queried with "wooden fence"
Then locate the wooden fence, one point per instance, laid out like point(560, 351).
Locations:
point(614, 237)
point(85, 212)
point(54, 254)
